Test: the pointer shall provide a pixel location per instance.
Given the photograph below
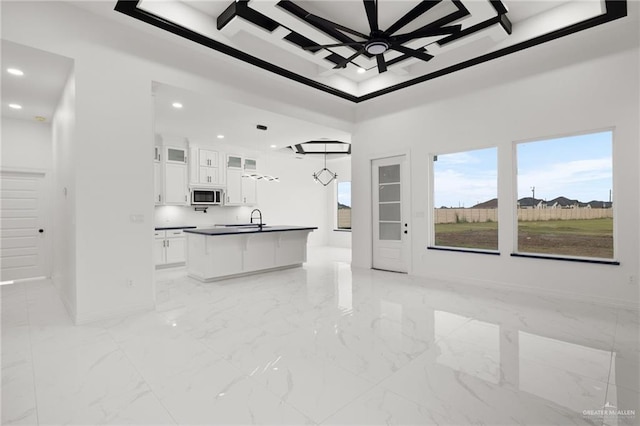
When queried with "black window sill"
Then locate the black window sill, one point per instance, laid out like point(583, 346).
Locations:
point(465, 250)
point(566, 259)
point(342, 230)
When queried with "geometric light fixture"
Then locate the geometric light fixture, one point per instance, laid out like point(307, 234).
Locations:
point(324, 176)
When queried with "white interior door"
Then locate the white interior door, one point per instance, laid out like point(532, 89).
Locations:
point(22, 231)
point(390, 213)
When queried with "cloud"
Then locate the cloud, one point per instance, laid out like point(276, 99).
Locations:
point(582, 179)
point(453, 188)
point(458, 158)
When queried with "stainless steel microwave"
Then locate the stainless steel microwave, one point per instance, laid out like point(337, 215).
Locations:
point(206, 197)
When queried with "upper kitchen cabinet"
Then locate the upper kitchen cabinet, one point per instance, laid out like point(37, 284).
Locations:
point(208, 158)
point(205, 170)
point(241, 186)
point(175, 155)
point(157, 183)
point(234, 162)
point(176, 185)
point(249, 182)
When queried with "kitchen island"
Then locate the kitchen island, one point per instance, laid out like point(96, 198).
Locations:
point(219, 253)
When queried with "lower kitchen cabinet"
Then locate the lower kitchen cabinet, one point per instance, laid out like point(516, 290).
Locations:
point(169, 247)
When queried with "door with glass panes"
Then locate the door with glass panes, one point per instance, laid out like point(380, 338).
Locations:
point(390, 214)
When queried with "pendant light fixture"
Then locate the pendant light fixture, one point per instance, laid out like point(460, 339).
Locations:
point(324, 176)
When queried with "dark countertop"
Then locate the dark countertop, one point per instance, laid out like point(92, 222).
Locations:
point(169, 228)
point(248, 230)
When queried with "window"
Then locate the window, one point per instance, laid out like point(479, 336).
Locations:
point(344, 205)
point(564, 196)
point(465, 199)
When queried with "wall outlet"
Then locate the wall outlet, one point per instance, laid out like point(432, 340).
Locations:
point(129, 282)
point(632, 279)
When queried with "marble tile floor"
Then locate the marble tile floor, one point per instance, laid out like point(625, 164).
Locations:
point(320, 345)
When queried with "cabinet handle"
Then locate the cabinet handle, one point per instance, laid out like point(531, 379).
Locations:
point(167, 243)
point(164, 243)
point(185, 198)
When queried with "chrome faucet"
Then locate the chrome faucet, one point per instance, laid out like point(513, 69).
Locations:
point(260, 213)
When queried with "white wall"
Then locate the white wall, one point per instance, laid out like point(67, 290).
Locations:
point(297, 199)
point(26, 144)
point(64, 196)
point(590, 95)
point(341, 166)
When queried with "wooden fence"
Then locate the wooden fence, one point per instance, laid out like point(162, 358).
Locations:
point(525, 215)
point(344, 218)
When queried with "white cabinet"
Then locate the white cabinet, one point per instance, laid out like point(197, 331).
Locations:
point(170, 176)
point(249, 183)
point(159, 248)
point(208, 176)
point(175, 155)
point(234, 162)
point(234, 187)
point(241, 186)
point(205, 170)
point(157, 183)
point(169, 247)
point(208, 158)
point(249, 190)
point(175, 185)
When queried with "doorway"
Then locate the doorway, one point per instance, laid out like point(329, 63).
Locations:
point(390, 214)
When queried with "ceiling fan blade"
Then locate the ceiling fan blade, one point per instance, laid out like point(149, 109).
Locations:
point(333, 45)
point(325, 23)
point(371, 7)
point(382, 65)
point(426, 32)
point(343, 64)
point(413, 52)
point(420, 8)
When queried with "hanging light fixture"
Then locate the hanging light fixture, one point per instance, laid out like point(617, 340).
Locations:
point(324, 176)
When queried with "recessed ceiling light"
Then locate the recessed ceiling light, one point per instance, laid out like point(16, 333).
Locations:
point(361, 70)
point(15, 106)
point(220, 136)
point(176, 105)
point(15, 71)
point(274, 146)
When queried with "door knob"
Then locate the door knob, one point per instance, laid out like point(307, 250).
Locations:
point(406, 232)
point(41, 230)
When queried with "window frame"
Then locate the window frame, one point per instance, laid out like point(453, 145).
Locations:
point(514, 207)
point(335, 206)
point(431, 240)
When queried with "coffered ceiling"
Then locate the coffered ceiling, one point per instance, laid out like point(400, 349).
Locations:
point(360, 49)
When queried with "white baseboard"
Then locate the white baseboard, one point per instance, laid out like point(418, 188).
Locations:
point(115, 313)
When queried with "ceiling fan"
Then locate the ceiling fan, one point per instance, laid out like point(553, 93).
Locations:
point(378, 41)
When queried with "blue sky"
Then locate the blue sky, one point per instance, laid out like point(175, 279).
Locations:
point(577, 167)
point(344, 193)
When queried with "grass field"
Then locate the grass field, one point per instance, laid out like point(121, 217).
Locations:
point(589, 237)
